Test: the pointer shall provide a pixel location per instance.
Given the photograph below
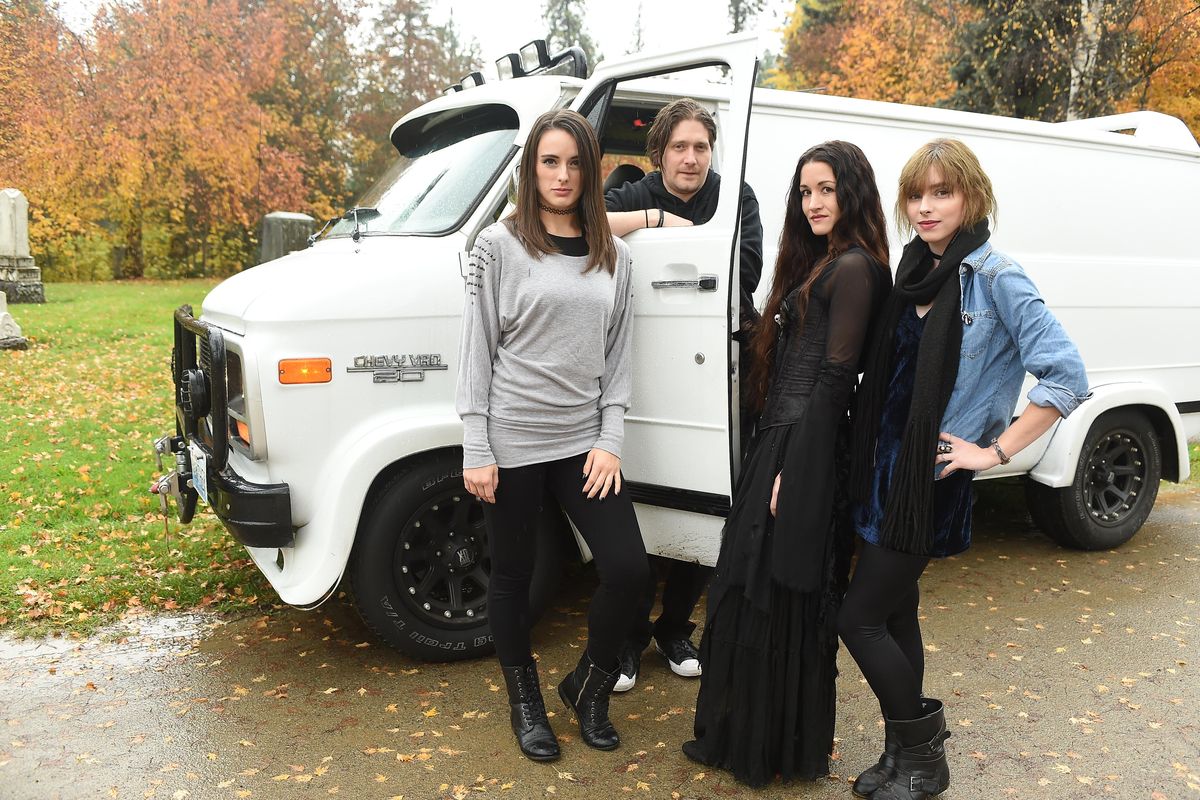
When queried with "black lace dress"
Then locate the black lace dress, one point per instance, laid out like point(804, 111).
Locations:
point(766, 700)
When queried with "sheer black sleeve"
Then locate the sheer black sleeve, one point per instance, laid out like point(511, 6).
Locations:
point(851, 292)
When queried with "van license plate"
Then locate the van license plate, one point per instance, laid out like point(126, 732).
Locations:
point(199, 472)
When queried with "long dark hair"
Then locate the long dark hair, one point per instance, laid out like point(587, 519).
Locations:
point(526, 222)
point(803, 255)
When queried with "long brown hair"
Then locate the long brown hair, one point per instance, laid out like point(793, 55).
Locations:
point(526, 222)
point(803, 255)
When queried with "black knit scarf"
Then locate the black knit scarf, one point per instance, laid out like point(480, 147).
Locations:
point(908, 514)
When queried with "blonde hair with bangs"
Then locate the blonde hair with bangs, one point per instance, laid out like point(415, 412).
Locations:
point(961, 173)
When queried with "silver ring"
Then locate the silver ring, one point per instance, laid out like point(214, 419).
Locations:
point(945, 448)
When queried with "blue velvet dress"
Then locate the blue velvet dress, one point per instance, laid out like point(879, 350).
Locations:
point(951, 495)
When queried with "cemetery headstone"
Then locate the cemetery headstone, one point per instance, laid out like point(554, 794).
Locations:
point(20, 278)
point(10, 331)
point(283, 232)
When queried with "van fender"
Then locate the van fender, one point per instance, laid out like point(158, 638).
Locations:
point(313, 568)
point(1057, 466)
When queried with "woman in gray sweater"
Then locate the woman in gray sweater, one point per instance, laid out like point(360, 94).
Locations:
point(543, 386)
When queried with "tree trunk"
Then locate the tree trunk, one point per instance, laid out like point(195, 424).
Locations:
point(127, 257)
point(1083, 59)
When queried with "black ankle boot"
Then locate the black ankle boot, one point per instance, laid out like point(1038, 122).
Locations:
point(534, 734)
point(876, 776)
point(871, 779)
point(585, 691)
point(921, 769)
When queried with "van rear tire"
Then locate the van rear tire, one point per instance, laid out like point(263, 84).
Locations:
point(420, 566)
point(1114, 488)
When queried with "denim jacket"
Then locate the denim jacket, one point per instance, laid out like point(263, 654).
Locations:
point(1008, 331)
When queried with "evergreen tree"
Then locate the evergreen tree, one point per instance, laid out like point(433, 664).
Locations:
point(638, 44)
point(741, 12)
point(565, 23)
point(410, 60)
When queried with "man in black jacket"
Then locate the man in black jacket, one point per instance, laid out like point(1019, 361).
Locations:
point(682, 191)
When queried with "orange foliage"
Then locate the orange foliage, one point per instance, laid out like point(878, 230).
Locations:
point(1169, 32)
point(892, 50)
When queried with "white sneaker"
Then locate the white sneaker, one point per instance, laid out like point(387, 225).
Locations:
point(631, 661)
point(681, 655)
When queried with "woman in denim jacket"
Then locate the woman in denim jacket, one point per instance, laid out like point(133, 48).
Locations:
point(934, 407)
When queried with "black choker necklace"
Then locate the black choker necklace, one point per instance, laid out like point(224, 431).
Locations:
point(936, 256)
point(562, 212)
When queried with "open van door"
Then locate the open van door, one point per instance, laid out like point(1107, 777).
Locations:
point(681, 448)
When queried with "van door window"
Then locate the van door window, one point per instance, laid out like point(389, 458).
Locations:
point(446, 162)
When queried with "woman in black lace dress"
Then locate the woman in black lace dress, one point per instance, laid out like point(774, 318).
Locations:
point(766, 701)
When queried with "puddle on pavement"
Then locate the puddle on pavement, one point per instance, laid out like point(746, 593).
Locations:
point(131, 644)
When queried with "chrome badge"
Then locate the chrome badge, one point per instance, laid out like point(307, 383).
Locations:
point(398, 368)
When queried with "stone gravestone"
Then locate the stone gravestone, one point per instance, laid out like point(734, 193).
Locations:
point(20, 280)
point(283, 232)
point(10, 332)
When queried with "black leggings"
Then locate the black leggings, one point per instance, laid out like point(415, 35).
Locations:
point(608, 526)
point(878, 623)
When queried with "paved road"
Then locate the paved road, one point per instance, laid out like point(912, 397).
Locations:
point(1065, 674)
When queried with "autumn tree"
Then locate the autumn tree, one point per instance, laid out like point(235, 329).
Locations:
point(49, 134)
point(1166, 60)
point(187, 150)
point(1044, 59)
point(894, 50)
point(566, 27)
point(309, 102)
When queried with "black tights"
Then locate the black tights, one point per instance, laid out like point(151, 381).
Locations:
point(608, 526)
point(878, 623)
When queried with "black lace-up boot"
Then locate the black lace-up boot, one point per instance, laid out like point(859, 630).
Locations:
point(921, 769)
point(585, 691)
point(534, 734)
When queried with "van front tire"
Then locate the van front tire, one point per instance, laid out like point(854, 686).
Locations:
point(1114, 488)
point(420, 566)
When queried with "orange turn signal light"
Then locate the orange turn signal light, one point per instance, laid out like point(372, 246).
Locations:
point(305, 370)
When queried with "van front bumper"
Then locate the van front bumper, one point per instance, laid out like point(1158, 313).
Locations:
point(257, 514)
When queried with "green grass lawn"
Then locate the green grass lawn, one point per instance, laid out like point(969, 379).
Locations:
point(81, 537)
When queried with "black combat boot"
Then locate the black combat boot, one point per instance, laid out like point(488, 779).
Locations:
point(876, 776)
point(585, 691)
point(534, 734)
point(921, 770)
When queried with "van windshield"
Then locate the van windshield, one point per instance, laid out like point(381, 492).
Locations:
point(446, 161)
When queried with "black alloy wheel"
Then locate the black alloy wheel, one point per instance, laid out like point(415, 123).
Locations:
point(1114, 488)
point(421, 562)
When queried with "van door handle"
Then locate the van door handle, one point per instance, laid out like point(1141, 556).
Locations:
point(706, 283)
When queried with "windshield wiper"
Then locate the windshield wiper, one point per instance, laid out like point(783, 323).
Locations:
point(312, 239)
point(360, 214)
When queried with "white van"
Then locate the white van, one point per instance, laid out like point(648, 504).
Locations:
point(315, 393)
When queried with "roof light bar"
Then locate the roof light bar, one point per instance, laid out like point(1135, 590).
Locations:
point(535, 55)
point(509, 66)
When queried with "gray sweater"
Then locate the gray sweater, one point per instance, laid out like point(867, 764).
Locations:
point(544, 367)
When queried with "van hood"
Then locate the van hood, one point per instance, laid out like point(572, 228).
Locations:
point(316, 283)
